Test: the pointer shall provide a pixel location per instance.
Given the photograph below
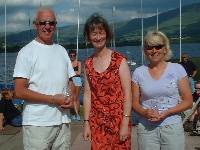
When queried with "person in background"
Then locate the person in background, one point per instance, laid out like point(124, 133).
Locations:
point(190, 68)
point(156, 90)
point(77, 81)
point(191, 72)
point(107, 94)
point(42, 73)
point(8, 110)
point(196, 96)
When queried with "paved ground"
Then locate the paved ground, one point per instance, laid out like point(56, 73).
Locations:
point(13, 140)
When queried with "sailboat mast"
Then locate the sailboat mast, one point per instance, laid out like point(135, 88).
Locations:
point(157, 19)
point(142, 33)
point(113, 27)
point(5, 71)
point(57, 36)
point(29, 23)
point(78, 30)
point(180, 32)
point(57, 33)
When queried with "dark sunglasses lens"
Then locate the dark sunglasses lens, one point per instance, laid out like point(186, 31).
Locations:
point(52, 23)
point(158, 46)
point(72, 55)
point(149, 47)
point(42, 23)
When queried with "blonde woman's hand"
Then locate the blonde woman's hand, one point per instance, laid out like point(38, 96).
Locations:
point(151, 115)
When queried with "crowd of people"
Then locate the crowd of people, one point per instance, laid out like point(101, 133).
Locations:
point(158, 92)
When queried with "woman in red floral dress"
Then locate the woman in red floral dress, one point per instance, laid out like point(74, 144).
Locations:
point(107, 95)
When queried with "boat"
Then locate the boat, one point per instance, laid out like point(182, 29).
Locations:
point(131, 63)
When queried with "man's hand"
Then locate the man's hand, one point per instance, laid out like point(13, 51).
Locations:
point(63, 102)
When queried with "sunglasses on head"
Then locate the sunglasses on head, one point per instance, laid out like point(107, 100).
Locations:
point(150, 47)
point(44, 23)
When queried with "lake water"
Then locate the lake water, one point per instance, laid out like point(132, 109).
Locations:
point(133, 53)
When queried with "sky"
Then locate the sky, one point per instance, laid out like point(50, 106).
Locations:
point(19, 12)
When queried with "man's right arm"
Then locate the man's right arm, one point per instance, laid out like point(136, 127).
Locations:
point(22, 92)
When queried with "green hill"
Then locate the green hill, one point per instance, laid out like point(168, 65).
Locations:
point(169, 22)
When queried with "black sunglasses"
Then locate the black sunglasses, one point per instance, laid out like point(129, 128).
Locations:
point(157, 47)
point(44, 23)
point(72, 55)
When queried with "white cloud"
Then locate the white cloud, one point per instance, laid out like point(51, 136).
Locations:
point(32, 3)
point(13, 27)
point(67, 17)
point(19, 17)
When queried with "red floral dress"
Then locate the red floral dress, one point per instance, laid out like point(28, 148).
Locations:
point(107, 105)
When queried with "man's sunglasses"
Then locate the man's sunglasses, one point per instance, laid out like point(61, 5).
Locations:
point(157, 47)
point(44, 23)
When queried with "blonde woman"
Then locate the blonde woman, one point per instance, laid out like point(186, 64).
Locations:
point(156, 90)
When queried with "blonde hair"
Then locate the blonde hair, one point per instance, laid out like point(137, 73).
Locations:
point(158, 37)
